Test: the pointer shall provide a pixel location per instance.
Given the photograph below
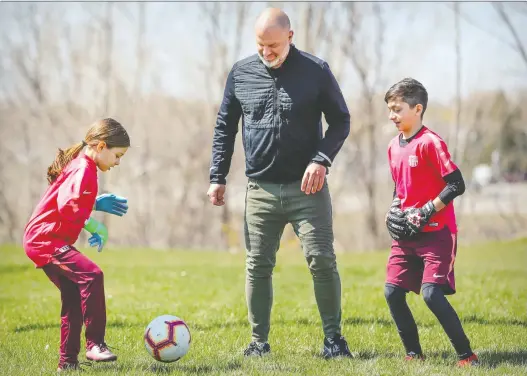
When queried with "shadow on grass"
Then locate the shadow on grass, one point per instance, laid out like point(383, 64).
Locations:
point(45, 326)
point(353, 321)
point(362, 355)
point(162, 368)
point(193, 369)
point(497, 321)
point(497, 358)
point(488, 359)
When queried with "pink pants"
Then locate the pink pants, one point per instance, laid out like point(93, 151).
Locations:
point(81, 286)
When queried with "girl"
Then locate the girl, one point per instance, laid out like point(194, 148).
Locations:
point(55, 225)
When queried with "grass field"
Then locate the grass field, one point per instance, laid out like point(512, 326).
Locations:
point(206, 289)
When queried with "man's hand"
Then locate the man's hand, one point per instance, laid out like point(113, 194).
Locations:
point(314, 178)
point(396, 221)
point(112, 204)
point(417, 218)
point(99, 233)
point(216, 194)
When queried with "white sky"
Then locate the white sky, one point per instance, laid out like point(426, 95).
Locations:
point(419, 43)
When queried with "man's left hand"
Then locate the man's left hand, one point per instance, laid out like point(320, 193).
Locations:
point(314, 178)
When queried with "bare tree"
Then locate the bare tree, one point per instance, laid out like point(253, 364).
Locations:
point(368, 70)
point(520, 48)
point(9, 215)
point(221, 58)
point(144, 220)
point(456, 130)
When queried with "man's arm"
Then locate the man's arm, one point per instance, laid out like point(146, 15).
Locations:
point(225, 133)
point(337, 116)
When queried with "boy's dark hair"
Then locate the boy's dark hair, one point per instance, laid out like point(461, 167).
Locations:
point(410, 91)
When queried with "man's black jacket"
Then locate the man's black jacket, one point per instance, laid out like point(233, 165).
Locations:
point(281, 112)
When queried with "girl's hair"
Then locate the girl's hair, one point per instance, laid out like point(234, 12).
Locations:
point(107, 130)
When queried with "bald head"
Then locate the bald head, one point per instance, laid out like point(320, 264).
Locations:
point(272, 18)
point(273, 36)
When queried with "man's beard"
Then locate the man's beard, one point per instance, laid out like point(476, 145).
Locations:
point(277, 61)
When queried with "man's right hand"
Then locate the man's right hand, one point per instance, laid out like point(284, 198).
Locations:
point(216, 194)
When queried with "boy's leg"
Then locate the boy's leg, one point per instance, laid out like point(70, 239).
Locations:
point(403, 318)
point(403, 273)
point(88, 278)
point(263, 227)
point(311, 218)
point(71, 315)
point(439, 252)
point(435, 300)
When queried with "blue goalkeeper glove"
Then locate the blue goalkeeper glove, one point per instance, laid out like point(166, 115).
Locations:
point(99, 233)
point(112, 204)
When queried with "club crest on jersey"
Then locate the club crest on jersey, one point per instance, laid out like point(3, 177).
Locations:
point(412, 161)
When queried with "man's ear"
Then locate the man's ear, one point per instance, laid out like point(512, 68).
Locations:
point(101, 145)
point(291, 33)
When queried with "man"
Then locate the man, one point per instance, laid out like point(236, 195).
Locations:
point(280, 93)
point(422, 222)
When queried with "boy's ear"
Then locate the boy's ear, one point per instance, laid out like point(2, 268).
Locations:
point(418, 109)
point(101, 145)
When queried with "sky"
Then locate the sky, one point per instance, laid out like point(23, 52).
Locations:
point(419, 42)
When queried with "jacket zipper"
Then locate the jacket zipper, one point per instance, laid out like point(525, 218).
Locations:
point(275, 107)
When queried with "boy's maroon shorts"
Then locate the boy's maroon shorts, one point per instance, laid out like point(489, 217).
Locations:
point(426, 258)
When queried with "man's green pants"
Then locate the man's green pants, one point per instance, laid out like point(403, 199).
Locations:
point(268, 208)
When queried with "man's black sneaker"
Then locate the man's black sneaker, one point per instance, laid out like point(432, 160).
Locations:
point(336, 346)
point(257, 349)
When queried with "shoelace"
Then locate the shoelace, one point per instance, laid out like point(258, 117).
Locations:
point(103, 347)
point(254, 346)
point(337, 345)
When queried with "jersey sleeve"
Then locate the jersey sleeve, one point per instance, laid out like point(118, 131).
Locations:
point(438, 155)
point(76, 196)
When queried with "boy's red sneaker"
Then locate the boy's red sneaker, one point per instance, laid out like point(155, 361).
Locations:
point(414, 356)
point(471, 361)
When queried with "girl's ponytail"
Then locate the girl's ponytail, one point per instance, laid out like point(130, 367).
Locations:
point(62, 159)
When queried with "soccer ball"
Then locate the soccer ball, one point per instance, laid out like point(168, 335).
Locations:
point(167, 338)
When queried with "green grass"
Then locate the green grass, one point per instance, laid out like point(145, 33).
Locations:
point(206, 289)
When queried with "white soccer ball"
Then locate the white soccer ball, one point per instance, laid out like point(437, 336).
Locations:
point(167, 338)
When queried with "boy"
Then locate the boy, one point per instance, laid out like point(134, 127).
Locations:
point(422, 222)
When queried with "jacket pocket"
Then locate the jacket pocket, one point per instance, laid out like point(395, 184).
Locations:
point(259, 145)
